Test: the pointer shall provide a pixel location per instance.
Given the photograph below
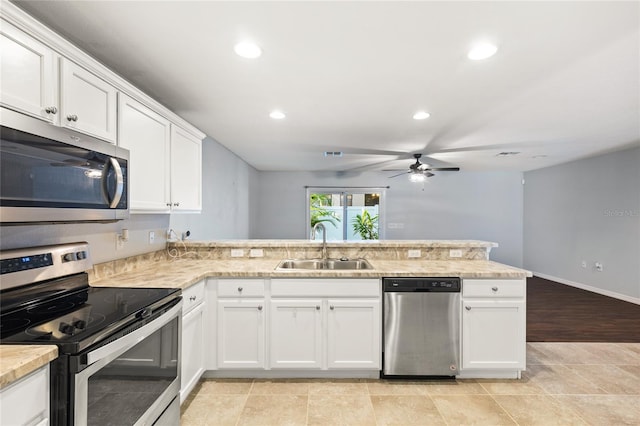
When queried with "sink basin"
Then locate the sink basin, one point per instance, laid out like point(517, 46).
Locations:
point(329, 264)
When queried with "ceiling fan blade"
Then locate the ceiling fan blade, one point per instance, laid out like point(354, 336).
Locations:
point(399, 174)
point(443, 169)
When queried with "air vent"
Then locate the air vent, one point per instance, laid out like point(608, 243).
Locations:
point(507, 153)
point(333, 153)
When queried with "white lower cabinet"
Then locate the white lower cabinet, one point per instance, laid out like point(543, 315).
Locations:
point(353, 339)
point(241, 330)
point(192, 364)
point(493, 325)
point(26, 402)
point(296, 333)
point(325, 324)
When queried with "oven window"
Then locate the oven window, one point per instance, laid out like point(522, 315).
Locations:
point(122, 391)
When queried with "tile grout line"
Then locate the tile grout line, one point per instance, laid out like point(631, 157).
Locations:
point(501, 407)
point(428, 395)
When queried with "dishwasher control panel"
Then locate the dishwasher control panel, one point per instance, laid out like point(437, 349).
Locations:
point(450, 285)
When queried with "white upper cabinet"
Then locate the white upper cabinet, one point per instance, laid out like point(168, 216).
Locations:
point(186, 171)
point(147, 136)
point(28, 74)
point(87, 103)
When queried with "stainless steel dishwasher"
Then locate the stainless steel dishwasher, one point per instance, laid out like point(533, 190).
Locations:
point(421, 327)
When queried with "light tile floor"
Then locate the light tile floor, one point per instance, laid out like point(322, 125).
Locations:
point(564, 384)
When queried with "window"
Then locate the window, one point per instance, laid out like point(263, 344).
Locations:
point(347, 213)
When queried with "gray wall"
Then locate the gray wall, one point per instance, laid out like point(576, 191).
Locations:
point(463, 205)
point(225, 214)
point(225, 197)
point(100, 236)
point(586, 210)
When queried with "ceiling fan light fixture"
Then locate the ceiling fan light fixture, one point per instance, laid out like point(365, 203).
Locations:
point(482, 50)
point(247, 49)
point(421, 115)
point(277, 115)
point(417, 177)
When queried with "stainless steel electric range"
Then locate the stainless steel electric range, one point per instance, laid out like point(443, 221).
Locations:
point(119, 348)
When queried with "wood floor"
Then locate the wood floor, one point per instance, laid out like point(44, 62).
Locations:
point(561, 313)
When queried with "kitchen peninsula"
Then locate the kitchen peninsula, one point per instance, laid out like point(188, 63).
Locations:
point(237, 305)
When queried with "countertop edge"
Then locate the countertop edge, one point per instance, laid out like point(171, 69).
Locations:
point(18, 361)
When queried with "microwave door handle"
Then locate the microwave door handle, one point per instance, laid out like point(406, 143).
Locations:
point(119, 183)
point(113, 203)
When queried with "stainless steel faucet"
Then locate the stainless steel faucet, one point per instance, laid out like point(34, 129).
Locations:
point(324, 238)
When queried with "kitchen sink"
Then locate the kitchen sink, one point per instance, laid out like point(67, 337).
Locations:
point(329, 264)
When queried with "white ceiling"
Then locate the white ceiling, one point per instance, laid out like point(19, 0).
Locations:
point(564, 84)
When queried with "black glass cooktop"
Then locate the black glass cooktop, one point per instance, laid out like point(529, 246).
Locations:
point(75, 316)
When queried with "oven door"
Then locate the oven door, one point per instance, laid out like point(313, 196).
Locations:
point(134, 379)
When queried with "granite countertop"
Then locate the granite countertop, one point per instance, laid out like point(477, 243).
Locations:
point(17, 361)
point(182, 273)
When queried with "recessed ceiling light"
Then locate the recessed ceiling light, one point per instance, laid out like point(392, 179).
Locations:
point(246, 49)
point(277, 115)
point(421, 115)
point(481, 51)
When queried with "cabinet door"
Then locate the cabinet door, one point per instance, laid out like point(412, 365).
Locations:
point(295, 333)
point(192, 365)
point(186, 170)
point(354, 334)
point(147, 136)
point(27, 74)
point(87, 103)
point(241, 329)
point(26, 401)
point(493, 334)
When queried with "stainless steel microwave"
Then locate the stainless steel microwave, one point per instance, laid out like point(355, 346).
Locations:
point(51, 174)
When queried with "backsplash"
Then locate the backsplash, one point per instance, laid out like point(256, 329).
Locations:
point(299, 249)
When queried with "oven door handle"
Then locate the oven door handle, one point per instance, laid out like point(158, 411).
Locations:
point(130, 340)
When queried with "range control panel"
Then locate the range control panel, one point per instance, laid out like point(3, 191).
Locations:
point(33, 264)
point(25, 262)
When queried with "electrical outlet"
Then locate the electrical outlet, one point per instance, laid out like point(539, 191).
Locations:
point(414, 253)
point(152, 237)
point(256, 253)
point(398, 225)
point(599, 267)
point(237, 253)
point(455, 253)
point(584, 264)
point(119, 242)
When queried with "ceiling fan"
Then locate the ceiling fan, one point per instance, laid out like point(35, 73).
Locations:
point(419, 172)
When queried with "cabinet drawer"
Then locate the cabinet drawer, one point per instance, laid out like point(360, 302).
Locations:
point(493, 288)
point(192, 297)
point(325, 287)
point(239, 288)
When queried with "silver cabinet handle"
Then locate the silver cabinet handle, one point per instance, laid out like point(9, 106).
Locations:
point(192, 298)
point(468, 308)
point(494, 288)
point(317, 307)
point(168, 204)
point(51, 110)
point(72, 117)
point(239, 288)
point(332, 307)
point(259, 307)
point(176, 204)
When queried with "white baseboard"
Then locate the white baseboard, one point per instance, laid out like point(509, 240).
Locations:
point(592, 289)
